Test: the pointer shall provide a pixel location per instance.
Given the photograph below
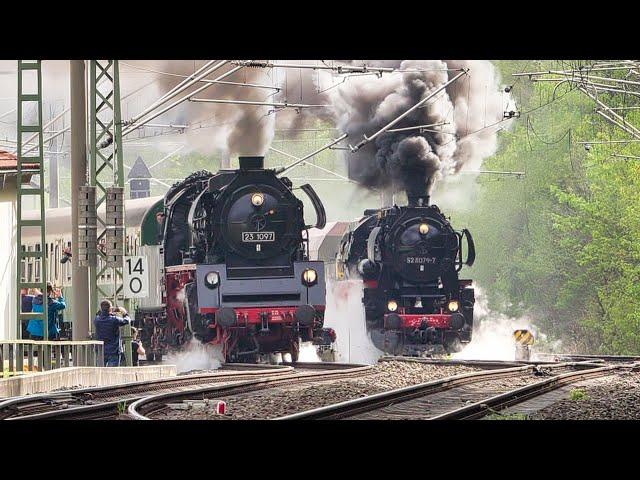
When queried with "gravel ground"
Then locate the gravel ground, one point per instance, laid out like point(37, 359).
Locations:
point(616, 397)
point(282, 401)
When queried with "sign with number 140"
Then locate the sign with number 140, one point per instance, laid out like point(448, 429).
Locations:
point(136, 277)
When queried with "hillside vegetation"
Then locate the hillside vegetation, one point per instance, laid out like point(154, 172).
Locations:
point(561, 244)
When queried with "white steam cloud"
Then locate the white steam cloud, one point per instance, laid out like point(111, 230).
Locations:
point(345, 314)
point(196, 356)
point(493, 334)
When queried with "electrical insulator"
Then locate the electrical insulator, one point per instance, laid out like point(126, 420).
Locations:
point(115, 226)
point(87, 227)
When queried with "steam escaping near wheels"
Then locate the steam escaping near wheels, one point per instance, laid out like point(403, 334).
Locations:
point(345, 314)
point(493, 334)
point(196, 356)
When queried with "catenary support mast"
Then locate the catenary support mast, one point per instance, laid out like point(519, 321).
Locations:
point(80, 313)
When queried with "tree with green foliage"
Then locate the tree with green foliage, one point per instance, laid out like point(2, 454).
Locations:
point(561, 244)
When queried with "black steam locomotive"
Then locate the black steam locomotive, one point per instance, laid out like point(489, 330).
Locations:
point(236, 265)
point(409, 258)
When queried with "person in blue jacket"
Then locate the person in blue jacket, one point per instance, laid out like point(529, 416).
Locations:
point(107, 328)
point(54, 305)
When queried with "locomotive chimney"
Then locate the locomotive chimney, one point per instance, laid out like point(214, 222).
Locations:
point(416, 193)
point(421, 200)
point(251, 163)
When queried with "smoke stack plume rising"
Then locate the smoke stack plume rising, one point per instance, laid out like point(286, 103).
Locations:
point(234, 129)
point(358, 105)
point(412, 160)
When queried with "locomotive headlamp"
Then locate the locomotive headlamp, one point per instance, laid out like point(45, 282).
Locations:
point(257, 199)
point(212, 279)
point(424, 228)
point(453, 306)
point(392, 305)
point(309, 277)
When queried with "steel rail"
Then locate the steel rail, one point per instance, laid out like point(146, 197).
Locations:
point(519, 395)
point(470, 363)
point(356, 406)
point(142, 408)
point(10, 405)
point(606, 358)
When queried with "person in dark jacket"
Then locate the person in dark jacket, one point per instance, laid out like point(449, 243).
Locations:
point(54, 305)
point(107, 328)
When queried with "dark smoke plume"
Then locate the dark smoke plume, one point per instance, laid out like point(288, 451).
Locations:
point(402, 160)
point(359, 105)
point(236, 129)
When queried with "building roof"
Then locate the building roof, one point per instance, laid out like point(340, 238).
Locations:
point(139, 170)
point(8, 161)
point(9, 168)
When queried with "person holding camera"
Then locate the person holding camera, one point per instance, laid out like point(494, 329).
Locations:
point(107, 328)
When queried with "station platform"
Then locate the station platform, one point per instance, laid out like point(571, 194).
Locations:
point(78, 377)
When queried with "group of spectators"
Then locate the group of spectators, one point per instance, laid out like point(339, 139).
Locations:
point(107, 324)
point(33, 301)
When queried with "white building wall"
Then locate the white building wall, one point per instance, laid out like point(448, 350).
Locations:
point(8, 249)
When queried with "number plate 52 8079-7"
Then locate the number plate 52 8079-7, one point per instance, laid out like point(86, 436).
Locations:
point(258, 236)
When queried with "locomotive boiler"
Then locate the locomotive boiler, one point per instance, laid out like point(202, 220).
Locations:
point(409, 258)
point(236, 267)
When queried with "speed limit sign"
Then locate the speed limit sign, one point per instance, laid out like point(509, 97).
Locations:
point(136, 277)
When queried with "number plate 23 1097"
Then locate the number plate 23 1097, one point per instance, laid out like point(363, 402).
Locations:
point(258, 237)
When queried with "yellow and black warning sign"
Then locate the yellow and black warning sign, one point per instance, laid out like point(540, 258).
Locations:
point(523, 337)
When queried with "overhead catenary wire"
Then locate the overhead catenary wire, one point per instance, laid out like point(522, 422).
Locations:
point(156, 114)
point(407, 112)
point(167, 156)
point(313, 165)
point(46, 125)
point(221, 82)
point(583, 79)
point(315, 152)
point(418, 127)
point(256, 103)
point(181, 87)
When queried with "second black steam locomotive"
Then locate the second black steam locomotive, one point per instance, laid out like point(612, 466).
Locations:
point(236, 266)
point(409, 258)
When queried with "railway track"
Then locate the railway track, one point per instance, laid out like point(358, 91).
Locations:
point(580, 357)
point(109, 402)
point(488, 364)
point(466, 396)
point(26, 406)
point(143, 408)
point(277, 398)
